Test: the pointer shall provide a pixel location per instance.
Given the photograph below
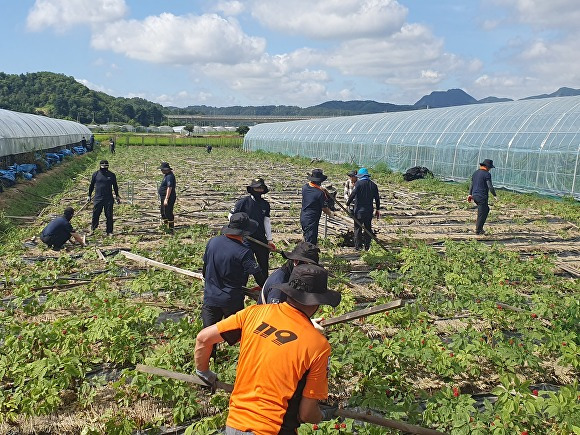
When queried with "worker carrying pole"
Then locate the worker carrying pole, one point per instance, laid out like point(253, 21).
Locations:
point(283, 364)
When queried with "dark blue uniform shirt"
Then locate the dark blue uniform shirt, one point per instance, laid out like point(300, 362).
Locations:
point(365, 192)
point(59, 228)
point(270, 295)
point(168, 181)
point(257, 209)
point(103, 182)
point(479, 187)
point(313, 201)
point(227, 264)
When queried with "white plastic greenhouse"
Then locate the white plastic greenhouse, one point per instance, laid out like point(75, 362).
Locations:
point(535, 144)
point(23, 132)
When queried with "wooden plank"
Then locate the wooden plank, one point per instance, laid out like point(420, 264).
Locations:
point(363, 313)
point(153, 263)
point(147, 261)
point(100, 254)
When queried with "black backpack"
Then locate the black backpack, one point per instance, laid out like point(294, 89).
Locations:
point(417, 172)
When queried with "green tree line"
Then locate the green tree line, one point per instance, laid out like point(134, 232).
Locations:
point(61, 96)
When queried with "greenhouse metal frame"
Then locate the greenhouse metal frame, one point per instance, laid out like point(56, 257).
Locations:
point(23, 132)
point(534, 144)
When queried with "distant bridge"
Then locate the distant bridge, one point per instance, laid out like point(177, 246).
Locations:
point(236, 119)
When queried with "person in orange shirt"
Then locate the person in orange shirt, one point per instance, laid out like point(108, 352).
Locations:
point(267, 400)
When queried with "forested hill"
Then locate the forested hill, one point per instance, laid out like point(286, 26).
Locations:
point(60, 96)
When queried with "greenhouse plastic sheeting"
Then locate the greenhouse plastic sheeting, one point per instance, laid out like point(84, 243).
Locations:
point(23, 132)
point(534, 144)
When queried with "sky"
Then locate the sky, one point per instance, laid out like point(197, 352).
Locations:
point(296, 52)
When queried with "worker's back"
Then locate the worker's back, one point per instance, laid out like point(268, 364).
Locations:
point(282, 358)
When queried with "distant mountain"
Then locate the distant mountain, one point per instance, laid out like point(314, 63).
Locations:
point(357, 107)
point(451, 97)
point(562, 92)
point(60, 96)
point(494, 100)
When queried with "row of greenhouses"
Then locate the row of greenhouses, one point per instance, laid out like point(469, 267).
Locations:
point(22, 133)
point(535, 144)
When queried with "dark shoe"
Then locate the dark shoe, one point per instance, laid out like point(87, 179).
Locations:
point(480, 233)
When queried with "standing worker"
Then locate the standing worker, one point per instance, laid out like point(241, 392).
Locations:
point(167, 196)
point(227, 264)
point(364, 193)
point(59, 230)
point(84, 143)
point(303, 252)
point(314, 201)
point(283, 363)
point(112, 146)
point(103, 182)
point(348, 186)
point(258, 209)
point(479, 193)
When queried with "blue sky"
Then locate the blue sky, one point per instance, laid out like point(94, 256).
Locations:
point(299, 52)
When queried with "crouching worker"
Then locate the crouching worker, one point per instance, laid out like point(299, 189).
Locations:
point(280, 336)
point(59, 230)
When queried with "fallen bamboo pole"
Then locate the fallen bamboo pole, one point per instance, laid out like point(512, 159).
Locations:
point(379, 421)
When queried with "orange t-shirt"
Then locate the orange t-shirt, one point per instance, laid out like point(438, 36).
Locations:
point(282, 359)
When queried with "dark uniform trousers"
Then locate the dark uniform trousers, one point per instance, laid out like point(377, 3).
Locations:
point(98, 207)
point(262, 255)
point(167, 211)
point(482, 212)
point(361, 237)
point(211, 315)
point(310, 230)
point(54, 242)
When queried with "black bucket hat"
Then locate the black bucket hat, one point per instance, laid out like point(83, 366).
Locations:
point(303, 251)
point(104, 163)
point(257, 182)
point(317, 176)
point(487, 163)
point(165, 165)
point(240, 225)
point(351, 173)
point(308, 285)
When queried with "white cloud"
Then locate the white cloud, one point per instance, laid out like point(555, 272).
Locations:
point(64, 14)
point(281, 79)
point(401, 55)
point(543, 13)
point(95, 87)
point(230, 8)
point(181, 40)
point(327, 19)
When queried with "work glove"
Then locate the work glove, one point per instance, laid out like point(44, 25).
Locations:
point(88, 199)
point(328, 412)
point(469, 198)
point(377, 214)
point(256, 288)
point(118, 200)
point(207, 376)
point(271, 245)
point(316, 324)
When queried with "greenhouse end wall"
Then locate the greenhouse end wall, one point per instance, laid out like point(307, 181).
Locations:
point(22, 133)
point(534, 144)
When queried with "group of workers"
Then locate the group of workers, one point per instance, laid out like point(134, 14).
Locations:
point(284, 357)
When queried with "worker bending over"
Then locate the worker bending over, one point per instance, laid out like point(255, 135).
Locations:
point(283, 364)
